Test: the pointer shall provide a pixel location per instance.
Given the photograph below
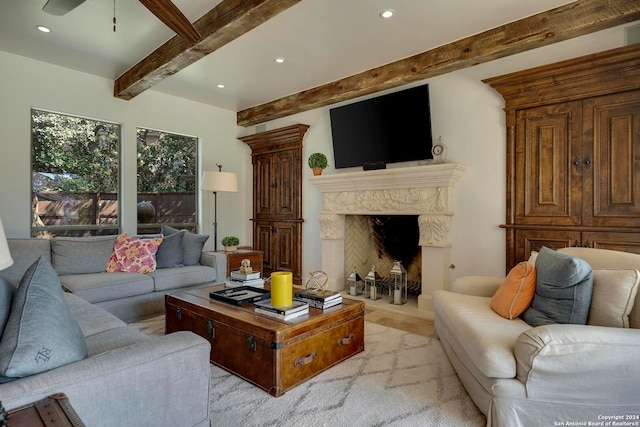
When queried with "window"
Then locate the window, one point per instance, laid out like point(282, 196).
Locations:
point(74, 175)
point(167, 170)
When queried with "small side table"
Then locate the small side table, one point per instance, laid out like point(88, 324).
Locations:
point(235, 258)
point(52, 411)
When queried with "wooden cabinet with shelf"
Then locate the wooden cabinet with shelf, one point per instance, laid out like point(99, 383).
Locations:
point(277, 198)
point(573, 154)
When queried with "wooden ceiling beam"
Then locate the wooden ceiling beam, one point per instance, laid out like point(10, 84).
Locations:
point(555, 25)
point(224, 23)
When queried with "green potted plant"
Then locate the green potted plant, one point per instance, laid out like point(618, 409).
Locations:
point(230, 243)
point(317, 162)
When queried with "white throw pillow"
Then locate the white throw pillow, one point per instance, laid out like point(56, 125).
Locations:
point(614, 293)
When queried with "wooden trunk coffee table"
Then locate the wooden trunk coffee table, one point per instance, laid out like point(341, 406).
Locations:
point(271, 354)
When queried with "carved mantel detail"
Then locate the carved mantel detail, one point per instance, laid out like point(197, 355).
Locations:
point(435, 230)
point(331, 226)
point(420, 190)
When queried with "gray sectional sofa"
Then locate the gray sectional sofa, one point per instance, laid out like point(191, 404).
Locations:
point(128, 379)
point(113, 374)
point(81, 261)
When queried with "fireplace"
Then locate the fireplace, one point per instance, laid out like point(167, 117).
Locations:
point(425, 191)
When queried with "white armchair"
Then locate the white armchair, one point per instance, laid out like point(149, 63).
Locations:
point(523, 376)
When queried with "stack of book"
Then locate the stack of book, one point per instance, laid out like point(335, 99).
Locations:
point(244, 279)
point(296, 309)
point(321, 300)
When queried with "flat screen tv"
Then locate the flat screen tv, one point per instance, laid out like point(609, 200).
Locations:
point(391, 128)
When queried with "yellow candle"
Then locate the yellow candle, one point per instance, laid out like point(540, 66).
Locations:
point(281, 288)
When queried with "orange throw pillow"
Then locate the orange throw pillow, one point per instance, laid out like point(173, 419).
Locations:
point(516, 292)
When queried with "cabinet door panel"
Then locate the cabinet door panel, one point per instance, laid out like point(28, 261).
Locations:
point(263, 181)
point(263, 241)
point(548, 141)
point(612, 129)
point(286, 197)
point(625, 242)
point(533, 240)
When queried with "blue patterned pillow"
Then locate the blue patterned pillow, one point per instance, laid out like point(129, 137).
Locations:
point(40, 333)
point(564, 286)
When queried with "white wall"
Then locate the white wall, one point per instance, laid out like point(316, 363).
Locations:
point(25, 83)
point(468, 115)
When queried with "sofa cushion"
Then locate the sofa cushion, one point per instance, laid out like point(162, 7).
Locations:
point(81, 255)
point(485, 337)
point(563, 290)
point(192, 244)
point(133, 255)
point(40, 334)
point(7, 289)
point(24, 253)
point(515, 293)
point(169, 253)
point(100, 287)
point(180, 277)
point(91, 318)
point(614, 293)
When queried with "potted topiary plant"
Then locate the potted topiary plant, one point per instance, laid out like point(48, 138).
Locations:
point(317, 162)
point(230, 243)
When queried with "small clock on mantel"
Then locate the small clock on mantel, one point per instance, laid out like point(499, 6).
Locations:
point(439, 151)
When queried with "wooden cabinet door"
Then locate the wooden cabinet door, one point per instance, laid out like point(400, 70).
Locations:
point(532, 240)
point(286, 199)
point(263, 182)
point(548, 186)
point(612, 171)
point(263, 241)
point(625, 242)
point(280, 244)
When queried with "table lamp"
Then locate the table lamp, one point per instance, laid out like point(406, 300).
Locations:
point(218, 181)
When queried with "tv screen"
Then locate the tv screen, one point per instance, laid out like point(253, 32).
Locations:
point(390, 128)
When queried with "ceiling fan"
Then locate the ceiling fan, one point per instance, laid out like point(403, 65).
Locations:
point(164, 10)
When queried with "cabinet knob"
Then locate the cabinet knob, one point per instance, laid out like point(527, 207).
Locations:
point(587, 162)
point(576, 163)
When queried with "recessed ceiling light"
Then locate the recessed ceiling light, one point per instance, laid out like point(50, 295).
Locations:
point(221, 86)
point(387, 13)
point(43, 28)
point(279, 60)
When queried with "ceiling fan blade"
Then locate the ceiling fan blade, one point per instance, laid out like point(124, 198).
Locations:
point(60, 7)
point(173, 18)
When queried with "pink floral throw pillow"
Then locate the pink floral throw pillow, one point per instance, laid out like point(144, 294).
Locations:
point(133, 255)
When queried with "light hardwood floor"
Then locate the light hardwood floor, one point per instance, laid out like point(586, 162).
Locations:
point(398, 321)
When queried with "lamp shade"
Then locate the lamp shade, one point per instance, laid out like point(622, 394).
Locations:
point(219, 181)
point(5, 256)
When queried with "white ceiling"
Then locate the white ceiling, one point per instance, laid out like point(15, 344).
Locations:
point(321, 41)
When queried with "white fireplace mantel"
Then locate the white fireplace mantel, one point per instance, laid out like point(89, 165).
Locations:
point(426, 191)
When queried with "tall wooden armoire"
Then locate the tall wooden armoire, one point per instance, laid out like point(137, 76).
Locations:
point(573, 154)
point(277, 198)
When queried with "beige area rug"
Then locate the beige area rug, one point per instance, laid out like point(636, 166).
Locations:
point(401, 379)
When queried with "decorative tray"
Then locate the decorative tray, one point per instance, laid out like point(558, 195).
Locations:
point(241, 295)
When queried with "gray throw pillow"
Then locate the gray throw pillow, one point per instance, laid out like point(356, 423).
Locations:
point(40, 333)
point(169, 252)
point(192, 244)
point(7, 290)
point(81, 255)
point(564, 286)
